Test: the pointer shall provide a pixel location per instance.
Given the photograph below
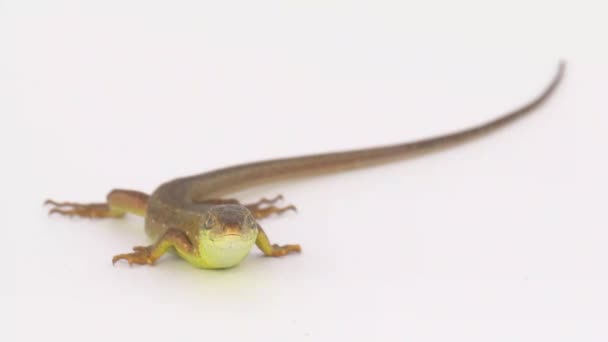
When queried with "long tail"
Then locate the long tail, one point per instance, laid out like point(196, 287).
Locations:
point(240, 176)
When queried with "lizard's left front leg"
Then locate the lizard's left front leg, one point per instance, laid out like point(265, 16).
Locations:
point(148, 255)
point(274, 250)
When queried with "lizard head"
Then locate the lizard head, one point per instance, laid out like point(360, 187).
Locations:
point(227, 234)
point(230, 220)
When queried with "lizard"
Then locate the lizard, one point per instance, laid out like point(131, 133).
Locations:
point(194, 217)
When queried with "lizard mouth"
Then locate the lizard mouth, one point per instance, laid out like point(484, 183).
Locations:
point(228, 244)
point(231, 238)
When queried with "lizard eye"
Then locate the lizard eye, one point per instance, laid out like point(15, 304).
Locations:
point(210, 222)
point(251, 222)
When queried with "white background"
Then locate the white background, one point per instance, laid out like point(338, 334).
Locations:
point(504, 239)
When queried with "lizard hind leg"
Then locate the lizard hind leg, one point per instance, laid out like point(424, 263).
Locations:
point(261, 213)
point(118, 202)
point(265, 207)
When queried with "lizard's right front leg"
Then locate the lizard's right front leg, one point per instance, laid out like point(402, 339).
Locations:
point(118, 203)
point(148, 255)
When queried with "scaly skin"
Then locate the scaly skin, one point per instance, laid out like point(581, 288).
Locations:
point(189, 215)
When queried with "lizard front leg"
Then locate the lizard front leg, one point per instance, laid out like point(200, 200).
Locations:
point(118, 202)
point(148, 255)
point(273, 250)
point(260, 209)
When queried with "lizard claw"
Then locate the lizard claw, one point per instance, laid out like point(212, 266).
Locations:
point(267, 211)
point(92, 210)
point(141, 256)
point(279, 251)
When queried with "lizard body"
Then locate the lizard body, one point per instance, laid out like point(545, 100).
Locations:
point(190, 215)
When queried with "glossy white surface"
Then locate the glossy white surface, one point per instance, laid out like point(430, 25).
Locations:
point(501, 240)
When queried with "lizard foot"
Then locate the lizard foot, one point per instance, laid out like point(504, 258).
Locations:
point(140, 256)
point(265, 212)
point(265, 207)
point(279, 251)
point(91, 210)
point(265, 200)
